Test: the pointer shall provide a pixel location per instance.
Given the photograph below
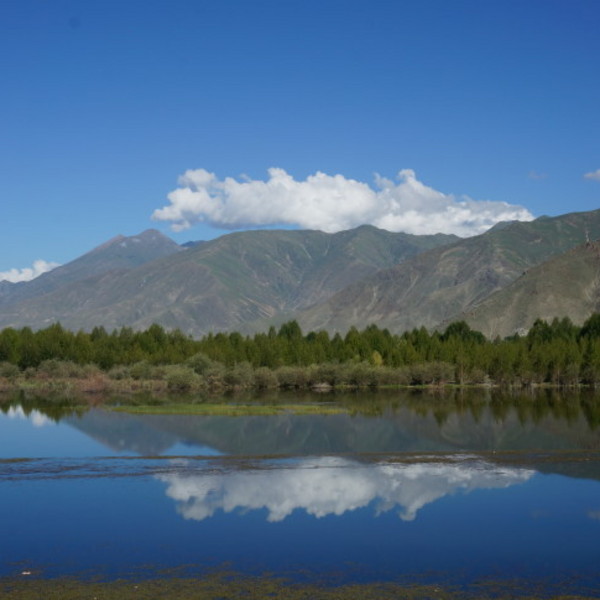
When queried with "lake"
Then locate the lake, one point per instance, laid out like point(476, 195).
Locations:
point(454, 488)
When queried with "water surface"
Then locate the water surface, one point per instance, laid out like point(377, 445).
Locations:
point(410, 488)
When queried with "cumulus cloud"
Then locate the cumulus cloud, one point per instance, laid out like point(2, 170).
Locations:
point(28, 273)
point(333, 486)
point(329, 203)
point(594, 175)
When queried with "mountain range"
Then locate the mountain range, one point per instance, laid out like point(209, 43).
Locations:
point(499, 281)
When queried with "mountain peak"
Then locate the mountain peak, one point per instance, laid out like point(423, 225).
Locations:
point(119, 253)
point(113, 240)
point(149, 236)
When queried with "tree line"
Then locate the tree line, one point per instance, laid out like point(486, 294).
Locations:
point(556, 352)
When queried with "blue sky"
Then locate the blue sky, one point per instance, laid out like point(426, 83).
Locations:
point(107, 104)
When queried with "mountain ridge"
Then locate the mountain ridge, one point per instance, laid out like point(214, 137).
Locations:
point(443, 283)
point(222, 283)
point(118, 253)
point(247, 281)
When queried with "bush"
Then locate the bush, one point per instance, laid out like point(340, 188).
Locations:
point(200, 363)
point(141, 370)
point(393, 376)
point(9, 371)
point(214, 377)
point(361, 374)
point(241, 375)
point(292, 377)
point(183, 379)
point(431, 373)
point(59, 369)
point(264, 378)
point(326, 373)
point(477, 376)
point(90, 370)
point(119, 373)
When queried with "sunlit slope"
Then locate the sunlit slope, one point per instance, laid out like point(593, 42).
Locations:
point(567, 285)
point(117, 254)
point(440, 285)
point(224, 283)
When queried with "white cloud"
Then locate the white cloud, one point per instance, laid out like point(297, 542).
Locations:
point(333, 486)
point(28, 273)
point(330, 203)
point(594, 175)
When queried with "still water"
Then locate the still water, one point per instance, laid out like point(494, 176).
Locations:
point(410, 488)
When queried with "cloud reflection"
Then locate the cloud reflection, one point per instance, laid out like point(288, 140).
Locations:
point(36, 418)
point(333, 486)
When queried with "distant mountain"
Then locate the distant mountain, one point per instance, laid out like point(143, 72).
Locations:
point(6, 288)
point(218, 285)
point(440, 285)
point(117, 254)
point(248, 280)
point(193, 244)
point(567, 285)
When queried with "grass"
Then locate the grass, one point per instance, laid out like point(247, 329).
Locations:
point(233, 586)
point(230, 410)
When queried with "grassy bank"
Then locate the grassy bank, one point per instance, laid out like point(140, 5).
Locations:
point(232, 587)
point(227, 409)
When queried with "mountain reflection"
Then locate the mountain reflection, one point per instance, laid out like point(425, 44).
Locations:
point(332, 486)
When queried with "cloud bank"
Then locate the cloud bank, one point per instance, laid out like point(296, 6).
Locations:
point(333, 486)
point(593, 175)
point(329, 203)
point(29, 273)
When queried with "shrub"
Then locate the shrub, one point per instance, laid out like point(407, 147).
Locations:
point(200, 363)
point(241, 375)
point(393, 376)
point(361, 374)
point(264, 378)
point(292, 377)
point(119, 373)
point(60, 369)
point(141, 370)
point(431, 373)
point(214, 377)
point(325, 373)
point(183, 379)
point(9, 370)
point(477, 376)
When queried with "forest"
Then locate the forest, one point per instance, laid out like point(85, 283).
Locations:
point(555, 353)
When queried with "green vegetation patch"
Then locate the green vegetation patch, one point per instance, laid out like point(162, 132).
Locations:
point(230, 410)
point(231, 587)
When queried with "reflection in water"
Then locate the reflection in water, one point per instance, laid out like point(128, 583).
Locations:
point(36, 417)
point(332, 486)
point(398, 421)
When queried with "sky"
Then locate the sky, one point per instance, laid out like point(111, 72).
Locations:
point(202, 117)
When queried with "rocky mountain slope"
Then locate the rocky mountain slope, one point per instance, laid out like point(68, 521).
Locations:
point(221, 284)
point(567, 285)
point(444, 283)
point(249, 280)
point(117, 254)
